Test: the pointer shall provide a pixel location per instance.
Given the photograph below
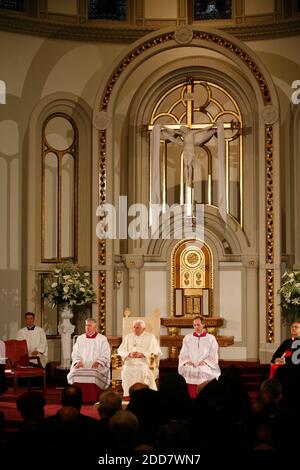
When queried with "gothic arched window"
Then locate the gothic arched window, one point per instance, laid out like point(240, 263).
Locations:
point(59, 188)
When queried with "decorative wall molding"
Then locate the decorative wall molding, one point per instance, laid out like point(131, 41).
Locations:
point(101, 120)
point(128, 33)
point(183, 35)
point(270, 114)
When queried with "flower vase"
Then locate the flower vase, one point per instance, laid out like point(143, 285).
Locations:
point(65, 328)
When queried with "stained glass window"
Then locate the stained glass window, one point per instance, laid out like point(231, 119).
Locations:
point(107, 10)
point(212, 9)
point(59, 188)
point(15, 5)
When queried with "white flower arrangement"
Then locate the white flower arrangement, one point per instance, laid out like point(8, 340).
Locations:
point(68, 284)
point(290, 295)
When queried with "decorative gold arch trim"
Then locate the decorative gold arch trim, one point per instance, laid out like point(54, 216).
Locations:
point(269, 181)
point(269, 210)
point(127, 60)
point(102, 243)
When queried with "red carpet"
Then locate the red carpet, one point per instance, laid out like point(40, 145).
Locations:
point(12, 416)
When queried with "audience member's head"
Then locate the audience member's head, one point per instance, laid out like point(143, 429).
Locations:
point(209, 401)
point(145, 404)
point(137, 386)
point(71, 396)
point(109, 403)
point(172, 437)
point(31, 405)
point(273, 386)
point(123, 427)
point(67, 415)
point(171, 382)
point(264, 404)
point(289, 378)
point(174, 398)
point(234, 393)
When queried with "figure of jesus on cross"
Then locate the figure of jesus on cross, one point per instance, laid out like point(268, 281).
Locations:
point(190, 139)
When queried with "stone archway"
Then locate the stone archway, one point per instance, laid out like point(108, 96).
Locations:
point(260, 81)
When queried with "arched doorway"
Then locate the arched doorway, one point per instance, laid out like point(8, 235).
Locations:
point(218, 59)
point(192, 279)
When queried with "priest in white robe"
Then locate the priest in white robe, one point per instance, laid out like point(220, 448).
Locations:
point(36, 339)
point(90, 362)
point(136, 350)
point(3, 387)
point(198, 358)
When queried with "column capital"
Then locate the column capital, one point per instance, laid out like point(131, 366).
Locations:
point(250, 261)
point(133, 261)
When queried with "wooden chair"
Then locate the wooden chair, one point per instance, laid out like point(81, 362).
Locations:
point(152, 323)
point(18, 366)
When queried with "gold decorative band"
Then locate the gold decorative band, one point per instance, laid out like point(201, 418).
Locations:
point(102, 300)
point(269, 233)
point(270, 305)
point(102, 243)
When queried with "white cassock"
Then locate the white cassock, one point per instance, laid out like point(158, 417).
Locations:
point(36, 341)
point(2, 352)
point(197, 349)
point(90, 350)
point(138, 369)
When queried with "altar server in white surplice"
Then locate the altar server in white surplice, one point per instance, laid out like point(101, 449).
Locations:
point(136, 350)
point(35, 337)
point(91, 358)
point(198, 358)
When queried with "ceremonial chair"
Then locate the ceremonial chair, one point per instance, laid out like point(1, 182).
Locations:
point(152, 323)
point(18, 365)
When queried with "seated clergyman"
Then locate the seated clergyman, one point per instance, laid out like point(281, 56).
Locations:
point(91, 358)
point(136, 350)
point(198, 358)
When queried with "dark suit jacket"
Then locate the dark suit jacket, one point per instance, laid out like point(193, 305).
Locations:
point(285, 346)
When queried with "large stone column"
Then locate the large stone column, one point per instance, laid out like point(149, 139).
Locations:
point(134, 263)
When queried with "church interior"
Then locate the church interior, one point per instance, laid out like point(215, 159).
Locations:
point(153, 145)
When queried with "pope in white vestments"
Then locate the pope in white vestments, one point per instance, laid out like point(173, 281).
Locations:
point(36, 339)
point(91, 358)
point(198, 358)
point(136, 350)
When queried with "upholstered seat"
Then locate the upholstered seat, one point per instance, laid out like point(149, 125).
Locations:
point(18, 365)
